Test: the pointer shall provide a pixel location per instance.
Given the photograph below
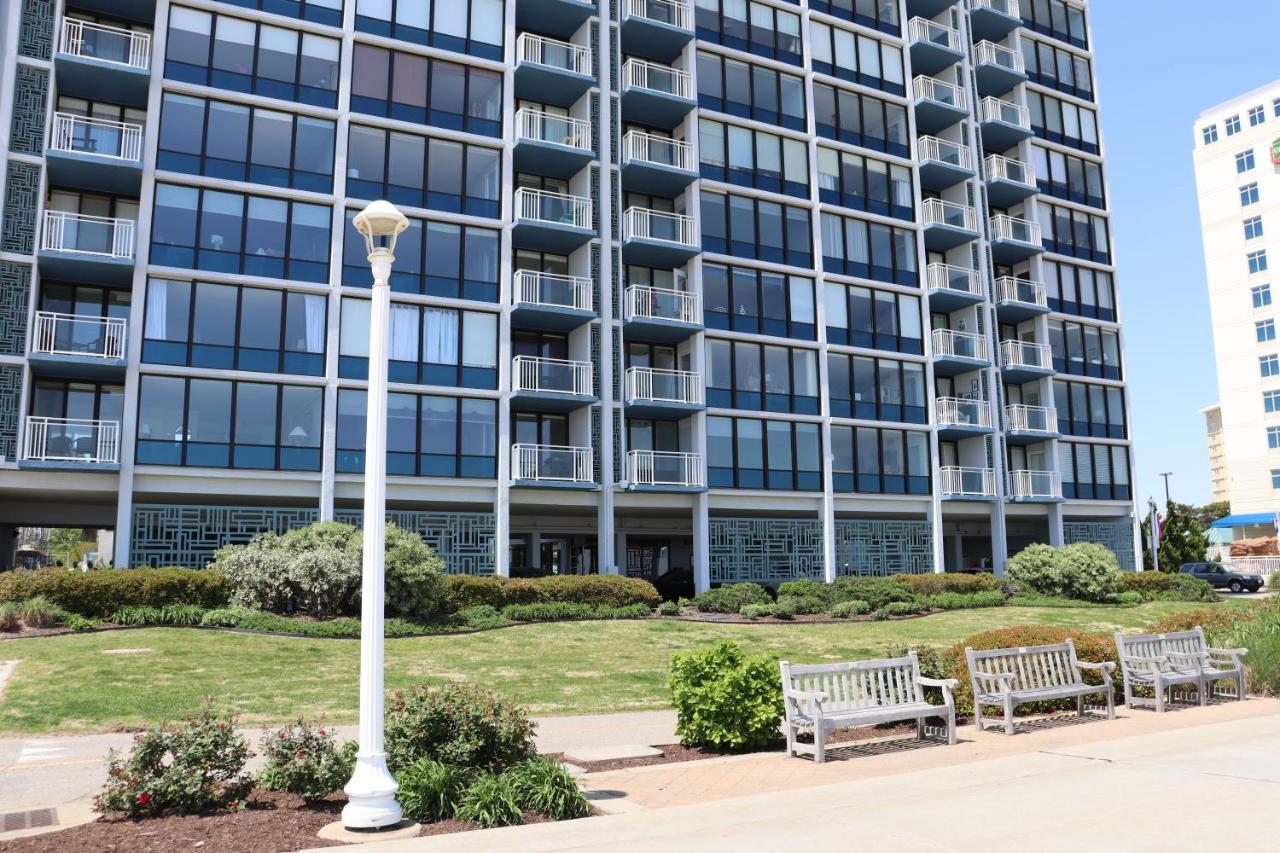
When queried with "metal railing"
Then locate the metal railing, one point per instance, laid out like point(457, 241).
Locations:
point(1025, 354)
point(1006, 227)
point(639, 223)
point(106, 44)
point(959, 344)
point(1034, 484)
point(931, 89)
point(922, 29)
point(642, 74)
point(1022, 418)
point(995, 109)
point(1011, 289)
point(961, 411)
point(71, 440)
point(551, 463)
point(944, 151)
point(950, 277)
point(677, 13)
point(639, 146)
point(1001, 168)
point(531, 287)
point(953, 213)
point(661, 303)
point(656, 385)
point(967, 482)
point(1004, 7)
point(665, 468)
point(559, 208)
point(551, 375)
point(118, 140)
point(78, 334)
point(990, 53)
point(87, 235)
point(549, 127)
point(553, 53)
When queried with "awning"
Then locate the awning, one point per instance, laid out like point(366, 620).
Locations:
point(1248, 519)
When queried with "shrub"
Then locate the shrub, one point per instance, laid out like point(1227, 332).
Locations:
point(936, 583)
point(181, 614)
point(610, 590)
point(900, 608)
point(875, 591)
point(729, 598)
point(136, 615)
point(304, 759)
point(785, 609)
point(756, 611)
point(413, 582)
point(850, 608)
point(100, 592)
point(807, 596)
point(489, 801)
point(725, 699)
point(40, 612)
point(520, 591)
point(684, 602)
point(1184, 587)
point(1150, 584)
point(1082, 570)
point(458, 724)
point(431, 790)
point(625, 611)
point(191, 768)
point(1261, 636)
point(463, 591)
point(1217, 621)
point(224, 617)
point(482, 617)
point(962, 600)
point(10, 619)
point(76, 622)
point(668, 608)
point(1129, 598)
point(550, 611)
point(546, 787)
point(806, 604)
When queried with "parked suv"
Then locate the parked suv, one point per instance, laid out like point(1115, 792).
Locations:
point(1223, 576)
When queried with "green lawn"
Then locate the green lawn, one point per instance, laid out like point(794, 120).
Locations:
point(67, 683)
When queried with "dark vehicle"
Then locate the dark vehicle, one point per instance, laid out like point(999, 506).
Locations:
point(1223, 576)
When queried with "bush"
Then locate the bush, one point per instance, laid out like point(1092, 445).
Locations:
point(40, 612)
point(1150, 584)
point(725, 699)
point(304, 759)
point(1082, 570)
point(900, 608)
point(458, 724)
point(464, 591)
point(1261, 636)
point(100, 592)
point(962, 600)
point(847, 609)
point(489, 801)
point(520, 591)
point(189, 769)
point(729, 598)
point(76, 622)
point(182, 614)
point(756, 611)
point(551, 611)
point(1128, 598)
point(431, 790)
point(625, 611)
point(1217, 622)
point(668, 608)
point(482, 617)
point(936, 583)
point(875, 591)
point(1185, 588)
point(809, 605)
point(597, 590)
point(807, 596)
point(413, 582)
point(10, 619)
point(784, 609)
point(546, 787)
point(224, 617)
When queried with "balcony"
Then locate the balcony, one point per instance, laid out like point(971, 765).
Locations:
point(1008, 181)
point(655, 95)
point(75, 247)
point(974, 484)
point(1018, 299)
point(1022, 361)
point(952, 287)
point(947, 224)
point(1014, 240)
point(665, 471)
point(961, 417)
point(551, 71)
point(997, 69)
point(1004, 124)
point(994, 19)
point(78, 346)
point(561, 18)
point(552, 466)
point(71, 443)
point(928, 8)
point(663, 394)
point(656, 29)
point(1034, 486)
point(933, 46)
point(656, 164)
point(103, 63)
point(95, 154)
point(655, 238)
point(660, 314)
point(553, 145)
point(552, 222)
point(958, 352)
point(943, 163)
point(543, 300)
point(1029, 424)
point(938, 105)
point(551, 384)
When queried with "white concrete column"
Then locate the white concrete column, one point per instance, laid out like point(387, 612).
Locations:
point(1055, 525)
point(934, 519)
point(701, 543)
point(609, 561)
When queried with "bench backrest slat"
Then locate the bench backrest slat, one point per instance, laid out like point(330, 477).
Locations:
point(1149, 646)
point(1031, 668)
point(856, 686)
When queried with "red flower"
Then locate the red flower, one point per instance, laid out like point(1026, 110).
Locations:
point(282, 736)
point(322, 731)
point(301, 754)
point(144, 798)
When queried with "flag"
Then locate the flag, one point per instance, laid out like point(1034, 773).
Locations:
point(1157, 532)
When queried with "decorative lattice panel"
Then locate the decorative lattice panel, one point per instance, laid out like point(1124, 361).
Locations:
point(597, 430)
point(595, 279)
point(10, 392)
point(1115, 536)
point(35, 37)
point(15, 289)
point(188, 535)
point(616, 274)
point(617, 367)
point(765, 550)
point(464, 539)
point(30, 98)
point(595, 359)
point(871, 547)
point(595, 198)
point(619, 473)
point(18, 225)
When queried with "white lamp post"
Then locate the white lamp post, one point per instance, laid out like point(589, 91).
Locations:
point(371, 793)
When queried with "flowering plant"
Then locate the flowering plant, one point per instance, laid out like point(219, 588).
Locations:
point(305, 759)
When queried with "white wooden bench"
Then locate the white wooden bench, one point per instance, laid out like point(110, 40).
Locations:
point(1007, 678)
point(823, 697)
point(1164, 661)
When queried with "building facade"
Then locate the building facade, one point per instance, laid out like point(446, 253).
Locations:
point(755, 290)
point(1217, 453)
point(1237, 164)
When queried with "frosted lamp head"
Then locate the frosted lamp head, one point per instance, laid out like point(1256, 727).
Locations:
point(380, 224)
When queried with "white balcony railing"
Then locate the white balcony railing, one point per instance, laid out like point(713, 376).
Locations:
point(638, 146)
point(71, 440)
point(77, 334)
point(553, 53)
point(932, 89)
point(665, 468)
point(550, 289)
point(639, 223)
point(106, 44)
point(944, 151)
point(87, 235)
point(922, 29)
point(1004, 7)
point(656, 385)
point(1011, 289)
point(677, 13)
point(539, 126)
point(952, 213)
point(116, 140)
point(1021, 418)
point(1025, 354)
point(555, 208)
point(990, 53)
point(950, 277)
point(662, 303)
point(642, 74)
point(551, 376)
point(1006, 227)
point(960, 411)
point(967, 482)
point(551, 463)
point(1034, 484)
point(959, 344)
point(995, 109)
point(1001, 168)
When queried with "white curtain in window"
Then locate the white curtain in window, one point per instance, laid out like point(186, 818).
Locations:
point(404, 333)
point(315, 323)
point(440, 337)
point(157, 310)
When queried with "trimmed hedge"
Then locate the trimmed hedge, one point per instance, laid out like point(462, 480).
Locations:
point(1159, 586)
point(1216, 621)
point(101, 592)
point(464, 591)
point(937, 583)
point(731, 597)
point(964, 600)
point(875, 591)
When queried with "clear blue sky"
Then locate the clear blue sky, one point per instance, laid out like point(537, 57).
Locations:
point(1158, 66)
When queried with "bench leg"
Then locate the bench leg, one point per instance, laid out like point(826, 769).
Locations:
point(1128, 693)
point(1240, 686)
point(819, 744)
point(1008, 714)
point(1079, 706)
point(1205, 686)
point(979, 726)
point(920, 728)
point(791, 741)
point(1111, 703)
point(1159, 688)
point(951, 727)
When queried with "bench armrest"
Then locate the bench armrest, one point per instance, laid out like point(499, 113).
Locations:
point(1152, 663)
point(1230, 652)
point(947, 683)
point(1106, 665)
point(1004, 679)
point(818, 698)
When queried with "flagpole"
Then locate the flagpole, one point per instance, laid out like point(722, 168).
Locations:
point(1155, 535)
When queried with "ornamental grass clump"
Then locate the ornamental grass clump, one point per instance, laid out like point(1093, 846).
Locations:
point(725, 699)
point(40, 612)
point(489, 801)
point(546, 786)
point(431, 790)
point(305, 759)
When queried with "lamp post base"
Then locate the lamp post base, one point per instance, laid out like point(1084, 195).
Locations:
point(371, 794)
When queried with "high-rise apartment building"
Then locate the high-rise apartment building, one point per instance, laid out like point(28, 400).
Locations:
point(1217, 452)
point(1237, 161)
point(759, 290)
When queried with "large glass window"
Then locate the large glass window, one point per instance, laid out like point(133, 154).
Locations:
point(1057, 18)
point(1063, 122)
point(857, 58)
point(1058, 68)
point(870, 250)
point(1094, 471)
point(876, 14)
point(873, 319)
point(1073, 232)
point(754, 228)
point(433, 258)
point(753, 158)
point(744, 375)
point(424, 172)
point(462, 26)
point(749, 91)
point(427, 436)
point(751, 26)
point(879, 461)
point(428, 345)
point(749, 300)
point(876, 389)
point(427, 91)
point(747, 453)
